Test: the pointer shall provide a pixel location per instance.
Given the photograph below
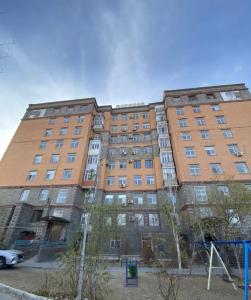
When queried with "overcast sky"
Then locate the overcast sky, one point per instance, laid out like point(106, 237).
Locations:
point(119, 51)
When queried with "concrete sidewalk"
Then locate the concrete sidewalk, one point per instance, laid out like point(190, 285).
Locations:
point(7, 297)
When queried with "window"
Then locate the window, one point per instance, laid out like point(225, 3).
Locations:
point(59, 143)
point(215, 107)
point(52, 121)
point(74, 143)
point(153, 220)
point(220, 120)
point(146, 126)
point(192, 98)
point(190, 152)
point(164, 142)
point(92, 159)
point(186, 136)
point(124, 127)
point(71, 157)
point(77, 130)
point(31, 175)
point(121, 199)
point(67, 173)
point(37, 159)
point(241, 168)
point(95, 145)
point(224, 189)
point(36, 216)
point(204, 134)
point(137, 180)
point(148, 149)
point(194, 169)
point(196, 109)
point(227, 133)
point(166, 157)
point(147, 136)
point(124, 117)
point(233, 217)
point(43, 144)
point(111, 164)
point(152, 199)
point(136, 138)
point(150, 179)
point(115, 244)
point(55, 158)
point(205, 212)
point(216, 168)
point(114, 117)
point(112, 151)
point(114, 128)
point(183, 123)
point(233, 149)
point(122, 180)
point(139, 218)
point(137, 164)
point(66, 119)
point(179, 110)
point(63, 131)
point(24, 195)
point(135, 116)
point(43, 195)
point(210, 150)
point(135, 127)
point(58, 212)
point(80, 119)
point(145, 115)
point(121, 219)
point(110, 180)
point(200, 193)
point(62, 194)
point(124, 139)
point(200, 121)
point(230, 95)
point(148, 164)
point(210, 96)
point(122, 164)
point(138, 199)
point(109, 199)
point(113, 140)
point(47, 132)
point(50, 174)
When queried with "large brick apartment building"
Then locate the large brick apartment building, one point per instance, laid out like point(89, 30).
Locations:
point(135, 154)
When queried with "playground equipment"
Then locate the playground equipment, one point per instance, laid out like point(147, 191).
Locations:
point(213, 248)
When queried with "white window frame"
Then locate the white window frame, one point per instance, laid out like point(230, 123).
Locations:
point(121, 219)
point(200, 193)
point(62, 195)
point(153, 220)
point(24, 195)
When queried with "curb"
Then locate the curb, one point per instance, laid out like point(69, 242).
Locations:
point(20, 294)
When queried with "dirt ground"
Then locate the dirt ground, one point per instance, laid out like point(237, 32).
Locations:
point(191, 288)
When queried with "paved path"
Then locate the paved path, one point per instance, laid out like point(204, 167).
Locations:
point(6, 297)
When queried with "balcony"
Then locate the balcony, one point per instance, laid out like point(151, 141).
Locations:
point(88, 184)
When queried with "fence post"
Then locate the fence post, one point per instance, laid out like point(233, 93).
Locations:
point(246, 281)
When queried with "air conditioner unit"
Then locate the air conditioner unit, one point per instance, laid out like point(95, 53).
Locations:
point(123, 153)
point(123, 185)
point(124, 129)
point(133, 152)
point(123, 204)
point(134, 129)
point(131, 218)
point(130, 201)
point(239, 153)
point(130, 137)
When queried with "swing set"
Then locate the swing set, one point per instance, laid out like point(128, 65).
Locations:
point(213, 248)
